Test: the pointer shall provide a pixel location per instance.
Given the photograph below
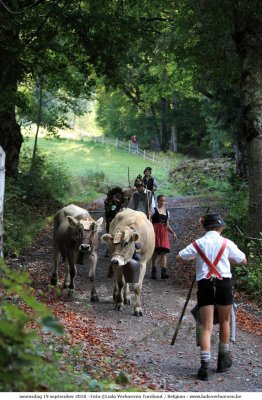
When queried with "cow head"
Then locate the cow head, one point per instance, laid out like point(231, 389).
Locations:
point(85, 232)
point(121, 245)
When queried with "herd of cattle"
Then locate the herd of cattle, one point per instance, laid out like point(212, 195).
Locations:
point(130, 240)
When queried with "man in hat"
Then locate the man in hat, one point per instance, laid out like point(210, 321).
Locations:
point(213, 255)
point(149, 181)
point(142, 199)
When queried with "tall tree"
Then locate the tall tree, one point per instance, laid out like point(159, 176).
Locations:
point(215, 33)
point(60, 36)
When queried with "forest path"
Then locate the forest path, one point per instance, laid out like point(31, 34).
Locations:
point(109, 342)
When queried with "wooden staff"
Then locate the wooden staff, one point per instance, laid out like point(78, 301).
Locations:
point(183, 311)
point(128, 177)
point(148, 217)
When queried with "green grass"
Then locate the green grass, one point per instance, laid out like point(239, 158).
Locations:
point(96, 161)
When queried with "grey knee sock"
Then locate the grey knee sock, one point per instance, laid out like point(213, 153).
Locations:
point(223, 347)
point(205, 356)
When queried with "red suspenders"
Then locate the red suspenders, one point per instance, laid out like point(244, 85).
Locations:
point(212, 266)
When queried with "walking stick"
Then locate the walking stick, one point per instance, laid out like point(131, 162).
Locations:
point(147, 203)
point(128, 177)
point(183, 311)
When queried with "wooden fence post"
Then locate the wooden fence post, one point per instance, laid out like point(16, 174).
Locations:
point(116, 143)
point(2, 192)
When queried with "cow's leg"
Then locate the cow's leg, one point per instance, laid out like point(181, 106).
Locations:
point(115, 292)
point(137, 290)
point(72, 270)
point(92, 276)
point(67, 276)
point(120, 298)
point(55, 269)
point(127, 298)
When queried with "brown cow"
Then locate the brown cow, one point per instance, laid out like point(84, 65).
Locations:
point(75, 233)
point(129, 232)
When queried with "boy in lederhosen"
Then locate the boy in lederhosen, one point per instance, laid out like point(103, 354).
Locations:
point(213, 255)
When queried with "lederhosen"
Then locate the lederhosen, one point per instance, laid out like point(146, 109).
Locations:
point(214, 289)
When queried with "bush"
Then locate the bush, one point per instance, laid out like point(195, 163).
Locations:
point(197, 177)
point(248, 277)
point(28, 199)
point(19, 347)
point(46, 180)
point(27, 364)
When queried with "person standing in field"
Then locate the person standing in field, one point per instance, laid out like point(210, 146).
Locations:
point(160, 221)
point(134, 144)
point(213, 254)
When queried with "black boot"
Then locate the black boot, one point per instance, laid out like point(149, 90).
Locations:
point(164, 274)
point(153, 273)
point(203, 372)
point(224, 361)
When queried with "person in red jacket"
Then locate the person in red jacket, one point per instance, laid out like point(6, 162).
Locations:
point(213, 255)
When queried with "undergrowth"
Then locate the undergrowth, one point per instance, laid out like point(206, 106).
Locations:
point(33, 197)
point(247, 278)
point(28, 364)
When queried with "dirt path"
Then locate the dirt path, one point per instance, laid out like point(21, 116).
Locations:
point(141, 346)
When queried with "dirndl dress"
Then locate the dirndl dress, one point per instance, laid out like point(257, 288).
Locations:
point(159, 221)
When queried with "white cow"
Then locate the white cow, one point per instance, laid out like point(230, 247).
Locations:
point(131, 242)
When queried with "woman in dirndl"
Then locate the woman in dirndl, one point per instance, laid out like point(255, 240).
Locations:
point(160, 221)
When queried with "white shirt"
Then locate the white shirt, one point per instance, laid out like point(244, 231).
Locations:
point(210, 244)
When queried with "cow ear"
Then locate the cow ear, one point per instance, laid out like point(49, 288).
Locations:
point(72, 221)
point(135, 236)
point(106, 237)
point(99, 221)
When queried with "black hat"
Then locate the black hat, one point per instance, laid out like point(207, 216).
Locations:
point(139, 181)
point(148, 169)
point(213, 220)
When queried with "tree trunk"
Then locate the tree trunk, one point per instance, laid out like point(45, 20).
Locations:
point(249, 46)
point(11, 141)
point(10, 134)
point(215, 146)
point(165, 128)
point(173, 140)
point(241, 159)
point(156, 127)
point(39, 116)
point(2, 192)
